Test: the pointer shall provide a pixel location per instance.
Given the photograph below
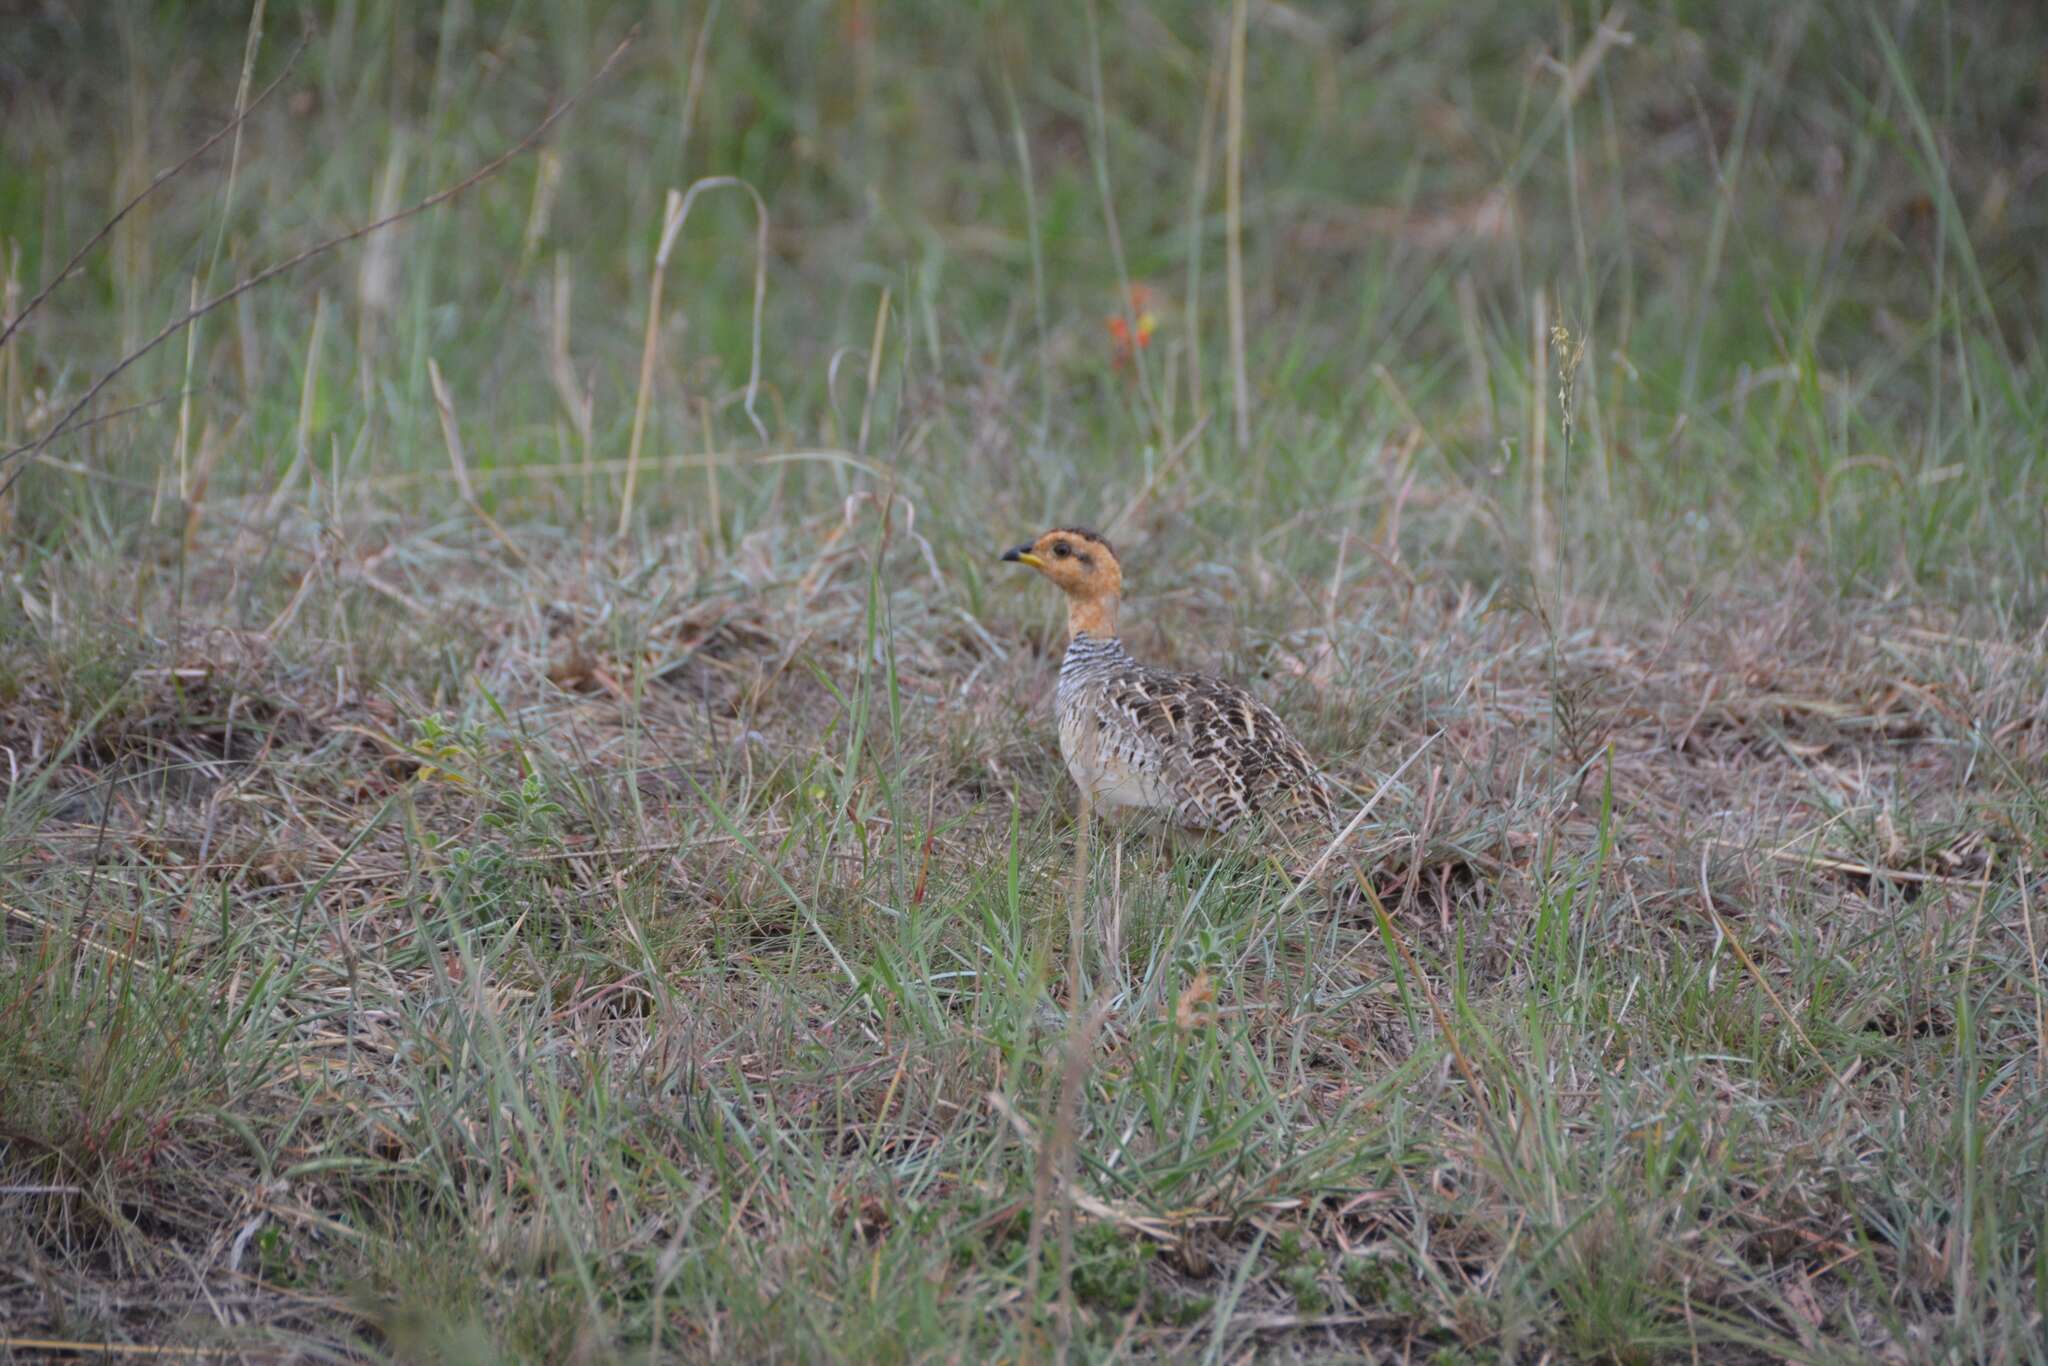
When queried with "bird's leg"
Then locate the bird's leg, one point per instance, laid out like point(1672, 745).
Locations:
point(1077, 903)
point(1113, 918)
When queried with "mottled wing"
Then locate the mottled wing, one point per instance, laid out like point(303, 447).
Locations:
point(1220, 753)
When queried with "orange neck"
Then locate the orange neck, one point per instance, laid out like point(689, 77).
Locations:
point(1095, 616)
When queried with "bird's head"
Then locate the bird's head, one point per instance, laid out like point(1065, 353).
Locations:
point(1085, 568)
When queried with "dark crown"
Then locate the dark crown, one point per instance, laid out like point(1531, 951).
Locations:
point(1085, 534)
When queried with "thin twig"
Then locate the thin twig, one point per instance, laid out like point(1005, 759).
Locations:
point(1707, 900)
point(165, 178)
point(1205, 156)
point(439, 197)
point(1054, 1171)
point(104, 1349)
point(1336, 843)
point(252, 46)
point(1836, 864)
point(451, 435)
point(2034, 962)
point(867, 407)
point(1159, 472)
point(694, 91)
point(1030, 188)
point(1233, 223)
point(675, 213)
point(1098, 146)
point(309, 389)
point(1077, 905)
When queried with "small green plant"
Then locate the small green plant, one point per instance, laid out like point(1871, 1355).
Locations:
point(1291, 1247)
point(446, 752)
point(1109, 1268)
point(527, 815)
point(1202, 951)
point(1377, 1283)
point(1305, 1285)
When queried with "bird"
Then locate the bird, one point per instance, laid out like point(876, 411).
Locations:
point(1201, 750)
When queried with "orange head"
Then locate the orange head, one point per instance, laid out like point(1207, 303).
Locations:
point(1085, 568)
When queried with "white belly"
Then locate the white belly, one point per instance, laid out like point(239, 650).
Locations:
point(1111, 779)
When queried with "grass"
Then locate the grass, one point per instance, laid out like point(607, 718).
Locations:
point(458, 910)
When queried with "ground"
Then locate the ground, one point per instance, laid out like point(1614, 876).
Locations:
point(467, 901)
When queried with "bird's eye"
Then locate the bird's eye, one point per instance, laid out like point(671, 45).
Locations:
point(1062, 549)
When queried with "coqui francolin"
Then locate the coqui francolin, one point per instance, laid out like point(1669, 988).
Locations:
point(1205, 752)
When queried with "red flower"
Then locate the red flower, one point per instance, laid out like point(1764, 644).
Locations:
point(1119, 325)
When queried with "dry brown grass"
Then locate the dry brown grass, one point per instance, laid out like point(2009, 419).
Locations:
point(263, 825)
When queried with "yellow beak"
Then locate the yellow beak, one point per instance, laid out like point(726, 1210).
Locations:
point(1022, 555)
